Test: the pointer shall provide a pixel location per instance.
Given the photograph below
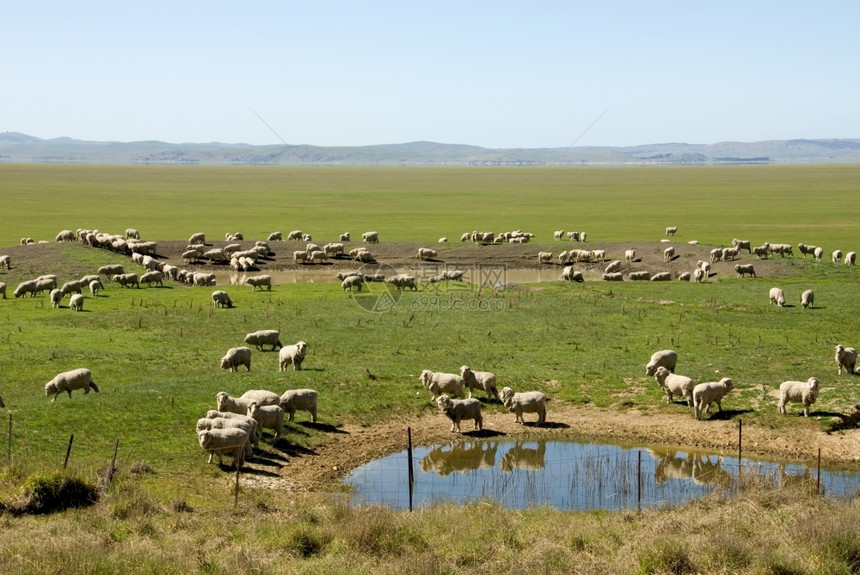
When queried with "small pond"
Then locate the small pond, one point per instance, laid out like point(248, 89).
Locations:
point(570, 476)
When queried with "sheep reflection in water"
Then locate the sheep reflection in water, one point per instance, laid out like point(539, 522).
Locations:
point(685, 465)
point(460, 458)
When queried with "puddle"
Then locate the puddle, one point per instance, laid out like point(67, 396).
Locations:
point(570, 476)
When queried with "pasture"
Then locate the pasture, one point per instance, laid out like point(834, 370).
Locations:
point(154, 351)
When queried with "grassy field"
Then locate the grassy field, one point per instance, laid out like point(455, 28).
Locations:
point(810, 204)
point(154, 352)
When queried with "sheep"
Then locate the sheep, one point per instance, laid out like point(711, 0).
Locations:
point(805, 392)
point(246, 424)
point(370, 237)
point(459, 409)
point(295, 235)
point(264, 337)
point(232, 440)
point(613, 277)
point(818, 253)
point(275, 237)
point(300, 256)
point(198, 238)
point(850, 257)
point(72, 286)
point(710, 392)
point(152, 277)
point(805, 249)
point(524, 402)
point(807, 299)
point(3, 289)
point(221, 299)
point(65, 236)
point(705, 267)
point(742, 244)
point(242, 418)
point(425, 254)
point(614, 266)
point(126, 280)
point(235, 357)
point(558, 234)
point(24, 288)
point(203, 279)
point(294, 400)
point(259, 282)
point(80, 378)
point(45, 283)
point(629, 256)
point(685, 276)
point(76, 302)
point(745, 269)
point(4, 262)
point(777, 296)
point(268, 417)
point(782, 249)
point(664, 358)
point(671, 230)
point(836, 256)
point(674, 384)
point(846, 357)
point(729, 254)
point(403, 281)
point(317, 256)
point(571, 275)
point(598, 256)
point(344, 237)
point(638, 276)
point(698, 275)
point(483, 380)
point(56, 297)
point(544, 257)
point(226, 402)
point(292, 354)
point(438, 383)
point(306, 237)
point(661, 277)
point(190, 256)
point(363, 256)
point(668, 254)
point(716, 255)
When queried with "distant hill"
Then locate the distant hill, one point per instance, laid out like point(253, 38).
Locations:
point(21, 148)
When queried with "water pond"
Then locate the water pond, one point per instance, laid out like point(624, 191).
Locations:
point(571, 476)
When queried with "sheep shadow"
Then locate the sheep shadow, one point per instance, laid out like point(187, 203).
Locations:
point(548, 425)
point(269, 458)
point(294, 450)
point(484, 433)
point(727, 414)
point(323, 427)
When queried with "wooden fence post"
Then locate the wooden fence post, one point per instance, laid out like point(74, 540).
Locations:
point(409, 457)
point(68, 450)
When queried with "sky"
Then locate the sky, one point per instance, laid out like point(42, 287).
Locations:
point(496, 74)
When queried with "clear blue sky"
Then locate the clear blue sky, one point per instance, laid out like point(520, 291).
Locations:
point(489, 73)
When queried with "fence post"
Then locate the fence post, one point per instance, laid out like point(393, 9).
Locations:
point(639, 482)
point(818, 480)
point(740, 447)
point(9, 448)
point(409, 458)
point(69, 450)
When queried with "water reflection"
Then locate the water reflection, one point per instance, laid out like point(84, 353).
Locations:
point(571, 476)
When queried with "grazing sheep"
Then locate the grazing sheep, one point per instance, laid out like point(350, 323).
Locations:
point(544, 257)
point(613, 277)
point(745, 269)
point(240, 417)
point(76, 302)
point(221, 299)
point(761, 252)
point(777, 296)
point(716, 255)
point(836, 256)
point(483, 380)
point(226, 402)
point(259, 282)
point(459, 409)
point(661, 277)
point(198, 238)
point(26, 287)
point(571, 275)
point(275, 237)
point(614, 266)
point(664, 358)
point(72, 286)
point(300, 256)
point(403, 281)
point(438, 383)
point(56, 297)
point(670, 231)
point(638, 276)
point(425, 254)
point(558, 234)
point(295, 235)
point(95, 286)
point(742, 244)
point(818, 253)
point(232, 440)
point(317, 256)
point(524, 402)
point(729, 254)
point(294, 400)
point(674, 384)
point(781, 249)
point(235, 357)
point(80, 378)
point(344, 237)
point(152, 277)
point(264, 337)
point(65, 236)
point(846, 357)
point(203, 279)
point(805, 392)
point(629, 256)
point(4, 262)
point(807, 299)
point(710, 392)
point(262, 397)
point(370, 237)
point(3, 289)
point(668, 254)
point(268, 417)
point(126, 280)
point(698, 275)
point(805, 249)
point(292, 354)
point(850, 257)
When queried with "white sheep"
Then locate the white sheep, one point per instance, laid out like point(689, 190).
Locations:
point(80, 378)
point(96, 286)
point(614, 266)
point(242, 417)
point(292, 354)
point(729, 254)
point(275, 237)
point(403, 281)
point(685, 277)
point(544, 257)
point(295, 235)
point(25, 287)
point(152, 277)
point(4, 262)
point(262, 397)
point(246, 424)
point(459, 409)
point(836, 256)
point(742, 244)
point(638, 276)
point(777, 296)
point(76, 302)
point(613, 277)
point(264, 337)
point(198, 238)
point(259, 282)
point(56, 297)
point(674, 384)
point(629, 256)
point(846, 357)
point(3, 289)
point(300, 256)
point(221, 299)
point(235, 357)
point(761, 252)
point(72, 286)
point(661, 277)
point(268, 417)
point(344, 237)
point(805, 249)
point(524, 402)
point(805, 392)
point(745, 269)
point(710, 392)
point(818, 253)
point(483, 380)
point(850, 257)
point(294, 400)
point(370, 237)
point(226, 402)
point(807, 299)
point(126, 280)
point(438, 383)
point(558, 234)
point(671, 230)
point(666, 358)
point(571, 275)
point(425, 254)
point(668, 254)
point(232, 441)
